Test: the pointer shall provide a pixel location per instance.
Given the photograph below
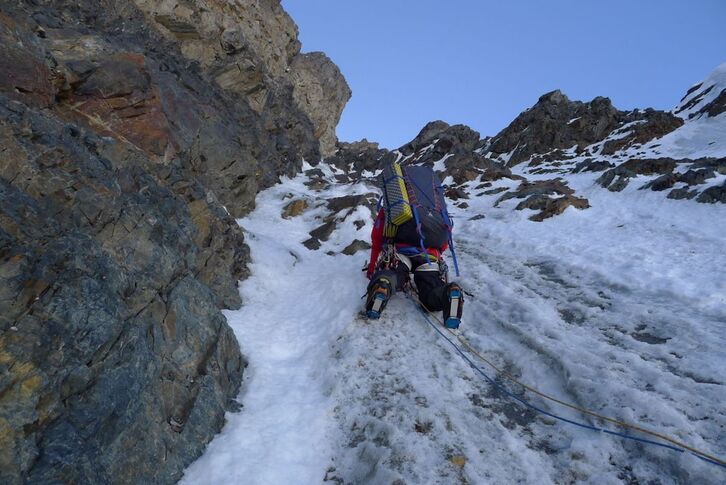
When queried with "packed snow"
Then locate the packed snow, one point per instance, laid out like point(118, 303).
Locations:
point(620, 308)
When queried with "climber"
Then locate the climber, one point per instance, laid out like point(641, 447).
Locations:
point(410, 233)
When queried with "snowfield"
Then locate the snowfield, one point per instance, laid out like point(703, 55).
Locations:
point(620, 308)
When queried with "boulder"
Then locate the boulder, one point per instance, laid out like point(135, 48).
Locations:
point(294, 208)
point(355, 246)
point(713, 194)
point(633, 168)
point(550, 197)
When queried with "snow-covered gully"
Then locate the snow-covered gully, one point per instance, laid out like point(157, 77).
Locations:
point(330, 397)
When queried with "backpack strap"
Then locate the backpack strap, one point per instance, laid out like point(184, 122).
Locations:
point(449, 226)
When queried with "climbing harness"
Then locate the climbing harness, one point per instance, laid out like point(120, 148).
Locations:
point(674, 446)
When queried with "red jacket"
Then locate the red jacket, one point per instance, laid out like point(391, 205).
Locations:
point(377, 241)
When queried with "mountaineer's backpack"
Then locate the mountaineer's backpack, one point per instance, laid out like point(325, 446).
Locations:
point(414, 207)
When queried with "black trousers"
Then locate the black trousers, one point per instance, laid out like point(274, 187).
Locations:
point(430, 284)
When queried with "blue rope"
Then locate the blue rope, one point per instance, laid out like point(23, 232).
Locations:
point(560, 418)
point(453, 253)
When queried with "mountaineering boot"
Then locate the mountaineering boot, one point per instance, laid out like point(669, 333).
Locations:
point(378, 294)
point(453, 311)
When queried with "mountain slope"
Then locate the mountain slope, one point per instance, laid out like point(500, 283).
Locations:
point(634, 334)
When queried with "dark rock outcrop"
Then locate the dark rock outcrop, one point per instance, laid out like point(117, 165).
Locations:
point(355, 246)
point(699, 171)
point(550, 197)
point(358, 157)
point(633, 168)
point(713, 194)
point(555, 122)
point(111, 339)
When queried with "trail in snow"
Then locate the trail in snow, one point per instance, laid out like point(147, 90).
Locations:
point(607, 308)
point(295, 302)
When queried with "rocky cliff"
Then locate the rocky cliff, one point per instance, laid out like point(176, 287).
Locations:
point(131, 135)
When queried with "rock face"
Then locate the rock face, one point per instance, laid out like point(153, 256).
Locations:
point(555, 122)
point(321, 92)
point(250, 47)
point(115, 362)
point(131, 135)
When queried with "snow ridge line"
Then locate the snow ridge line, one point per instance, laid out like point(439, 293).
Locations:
point(680, 447)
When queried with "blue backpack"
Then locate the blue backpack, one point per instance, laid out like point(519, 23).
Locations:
point(415, 208)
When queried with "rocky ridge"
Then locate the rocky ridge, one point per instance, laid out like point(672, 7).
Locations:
point(532, 158)
point(132, 133)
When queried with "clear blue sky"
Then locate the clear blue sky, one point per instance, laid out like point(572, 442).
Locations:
point(481, 62)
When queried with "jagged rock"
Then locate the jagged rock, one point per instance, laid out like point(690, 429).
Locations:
point(537, 197)
point(455, 193)
point(713, 194)
point(465, 167)
point(696, 177)
point(324, 231)
point(633, 168)
point(717, 106)
point(357, 157)
point(592, 166)
point(312, 243)
point(251, 48)
point(426, 136)
point(662, 183)
point(691, 177)
point(317, 184)
point(25, 77)
point(682, 193)
point(350, 202)
point(356, 246)
point(494, 191)
point(321, 91)
point(455, 140)
point(117, 330)
point(157, 103)
point(555, 122)
point(711, 164)
point(294, 208)
point(498, 172)
point(655, 125)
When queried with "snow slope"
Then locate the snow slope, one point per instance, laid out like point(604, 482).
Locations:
point(620, 308)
